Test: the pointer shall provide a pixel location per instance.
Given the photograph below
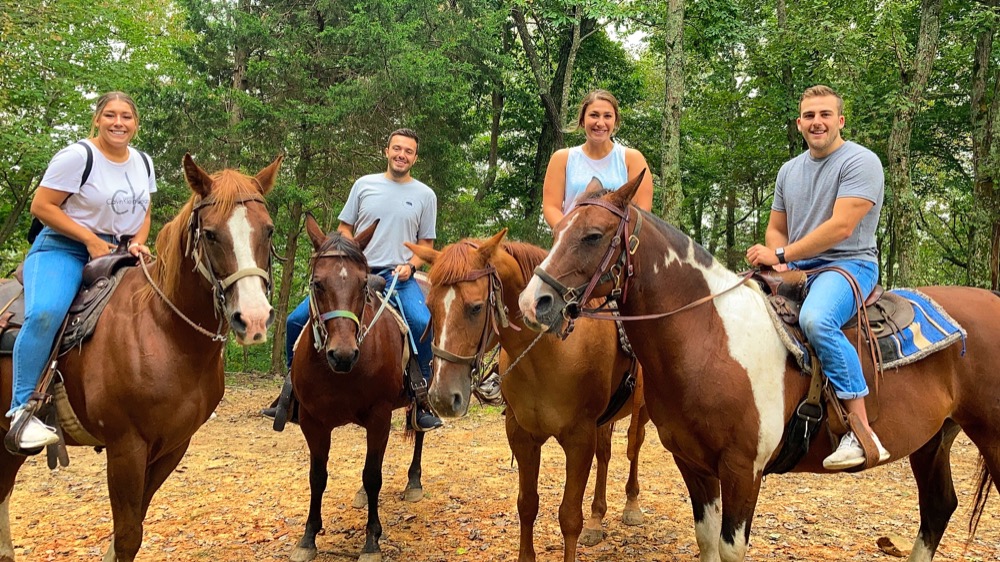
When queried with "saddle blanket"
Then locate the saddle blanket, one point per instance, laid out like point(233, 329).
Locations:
point(931, 330)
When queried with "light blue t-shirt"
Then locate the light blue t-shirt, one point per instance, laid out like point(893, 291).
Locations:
point(407, 211)
point(580, 169)
point(807, 188)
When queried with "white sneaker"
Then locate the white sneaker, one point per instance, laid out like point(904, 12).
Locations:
point(36, 434)
point(850, 454)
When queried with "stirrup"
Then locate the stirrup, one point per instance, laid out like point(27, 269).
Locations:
point(13, 438)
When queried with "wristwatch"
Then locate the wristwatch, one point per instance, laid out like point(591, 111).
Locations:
point(413, 268)
point(780, 252)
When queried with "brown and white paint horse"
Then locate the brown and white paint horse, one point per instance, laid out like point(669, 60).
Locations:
point(147, 379)
point(557, 388)
point(721, 386)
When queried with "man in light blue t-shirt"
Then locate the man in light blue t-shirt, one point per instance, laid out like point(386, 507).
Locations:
point(825, 212)
point(407, 211)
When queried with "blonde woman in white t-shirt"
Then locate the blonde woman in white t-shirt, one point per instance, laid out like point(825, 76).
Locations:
point(570, 170)
point(82, 221)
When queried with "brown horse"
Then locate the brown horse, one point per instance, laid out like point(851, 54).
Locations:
point(723, 386)
point(557, 388)
point(147, 379)
point(348, 368)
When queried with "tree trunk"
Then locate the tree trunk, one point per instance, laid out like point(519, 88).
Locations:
point(904, 205)
point(788, 82)
point(491, 170)
point(670, 129)
point(982, 242)
point(18, 208)
point(281, 308)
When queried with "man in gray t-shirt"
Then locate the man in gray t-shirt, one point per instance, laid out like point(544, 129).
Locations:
point(825, 212)
point(407, 211)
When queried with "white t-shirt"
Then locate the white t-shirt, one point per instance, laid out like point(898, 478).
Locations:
point(115, 198)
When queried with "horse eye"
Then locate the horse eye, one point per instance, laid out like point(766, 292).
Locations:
point(592, 238)
point(210, 235)
point(269, 232)
point(316, 286)
point(475, 309)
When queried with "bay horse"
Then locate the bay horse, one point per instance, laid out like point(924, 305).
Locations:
point(348, 368)
point(148, 379)
point(556, 389)
point(721, 386)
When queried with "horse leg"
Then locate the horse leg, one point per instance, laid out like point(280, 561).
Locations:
point(127, 470)
point(9, 466)
point(371, 477)
point(706, 502)
point(156, 474)
point(318, 440)
point(632, 515)
point(740, 488)
point(580, 448)
point(931, 466)
point(414, 489)
point(593, 531)
point(528, 453)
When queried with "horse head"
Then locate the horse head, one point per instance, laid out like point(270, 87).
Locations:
point(229, 240)
point(590, 258)
point(338, 294)
point(463, 300)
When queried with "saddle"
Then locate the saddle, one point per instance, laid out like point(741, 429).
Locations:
point(101, 276)
point(883, 314)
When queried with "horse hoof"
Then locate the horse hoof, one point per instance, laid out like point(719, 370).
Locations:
point(590, 537)
point(413, 495)
point(633, 517)
point(301, 554)
point(360, 500)
point(370, 557)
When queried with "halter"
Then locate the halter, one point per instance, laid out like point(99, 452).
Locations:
point(196, 250)
point(320, 333)
point(497, 316)
point(574, 306)
point(620, 273)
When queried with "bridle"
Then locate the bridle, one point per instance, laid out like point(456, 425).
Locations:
point(626, 246)
point(496, 318)
point(203, 264)
point(620, 273)
point(320, 333)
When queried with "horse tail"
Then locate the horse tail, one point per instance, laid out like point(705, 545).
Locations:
point(982, 494)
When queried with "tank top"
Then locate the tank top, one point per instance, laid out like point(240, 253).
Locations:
point(580, 169)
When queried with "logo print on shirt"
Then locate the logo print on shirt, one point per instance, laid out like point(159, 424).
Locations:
point(408, 203)
point(120, 200)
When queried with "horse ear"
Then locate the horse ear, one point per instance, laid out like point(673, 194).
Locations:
point(625, 193)
point(199, 180)
point(366, 235)
point(429, 255)
point(315, 232)
point(267, 176)
point(489, 247)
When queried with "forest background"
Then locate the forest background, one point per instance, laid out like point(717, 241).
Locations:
point(709, 92)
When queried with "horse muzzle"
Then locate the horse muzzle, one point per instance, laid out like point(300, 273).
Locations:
point(450, 393)
point(342, 360)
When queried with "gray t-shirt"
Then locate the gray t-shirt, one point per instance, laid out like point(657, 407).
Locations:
point(408, 212)
point(808, 187)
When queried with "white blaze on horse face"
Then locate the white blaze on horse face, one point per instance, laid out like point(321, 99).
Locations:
point(251, 299)
point(448, 300)
point(754, 343)
point(343, 273)
point(528, 297)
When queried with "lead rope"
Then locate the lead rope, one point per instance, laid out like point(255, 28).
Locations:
point(523, 353)
point(220, 336)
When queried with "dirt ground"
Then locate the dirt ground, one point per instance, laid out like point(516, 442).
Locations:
point(241, 493)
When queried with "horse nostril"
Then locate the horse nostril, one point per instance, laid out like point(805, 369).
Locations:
point(237, 322)
point(543, 304)
point(457, 402)
point(270, 318)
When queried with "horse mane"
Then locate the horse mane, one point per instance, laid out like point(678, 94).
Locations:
point(337, 242)
point(460, 259)
point(228, 187)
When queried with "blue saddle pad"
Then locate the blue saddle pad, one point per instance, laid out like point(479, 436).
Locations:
point(932, 329)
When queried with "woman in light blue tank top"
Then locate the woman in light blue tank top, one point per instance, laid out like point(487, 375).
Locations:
point(571, 170)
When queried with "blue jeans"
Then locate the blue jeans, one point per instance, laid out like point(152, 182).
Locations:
point(409, 299)
point(53, 273)
point(828, 306)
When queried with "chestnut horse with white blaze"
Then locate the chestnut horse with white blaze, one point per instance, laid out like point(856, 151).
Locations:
point(721, 385)
point(147, 378)
point(556, 388)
